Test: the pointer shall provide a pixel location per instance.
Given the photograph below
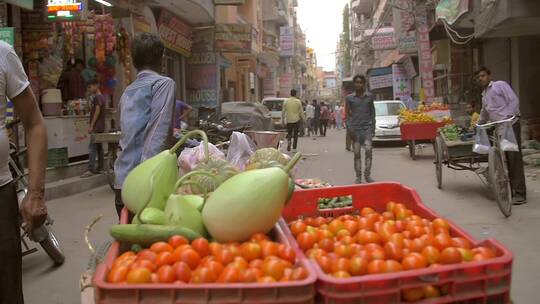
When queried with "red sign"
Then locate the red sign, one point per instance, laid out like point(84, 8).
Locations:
point(424, 57)
point(175, 33)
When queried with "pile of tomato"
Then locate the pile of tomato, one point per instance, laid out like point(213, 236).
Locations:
point(392, 241)
point(177, 261)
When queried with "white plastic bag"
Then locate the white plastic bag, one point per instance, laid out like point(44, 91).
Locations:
point(240, 150)
point(191, 157)
point(481, 141)
point(508, 138)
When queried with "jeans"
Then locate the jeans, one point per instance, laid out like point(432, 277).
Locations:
point(292, 134)
point(10, 249)
point(309, 125)
point(316, 125)
point(95, 156)
point(324, 126)
point(515, 165)
point(360, 140)
point(339, 123)
point(348, 140)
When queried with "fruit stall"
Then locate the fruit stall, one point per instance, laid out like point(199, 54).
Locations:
point(217, 234)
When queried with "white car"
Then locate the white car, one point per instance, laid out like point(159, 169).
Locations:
point(275, 106)
point(387, 120)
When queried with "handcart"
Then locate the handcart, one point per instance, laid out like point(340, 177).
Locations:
point(412, 132)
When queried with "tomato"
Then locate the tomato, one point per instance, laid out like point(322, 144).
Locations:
point(250, 275)
point(164, 258)
point(117, 274)
point(190, 257)
point(460, 242)
point(305, 241)
point(413, 261)
point(417, 231)
point(400, 226)
point(126, 255)
point(310, 221)
point(365, 254)
point(341, 275)
point(203, 275)
point(229, 275)
point(287, 253)
point(201, 246)
point(351, 226)
point(145, 264)
point(343, 233)
point(386, 230)
point(387, 215)
point(400, 213)
point(439, 223)
point(412, 294)
point(324, 234)
point(325, 263)
point(450, 255)
point(342, 250)
point(390, 206)
point(319, 221)
point(355, 248)
point(341, 264)
point(251, 251)
point(257, 263)
point(139, 276)
point(224, 256)
point(442, 241)
point(315, 252)
point(214, 266)
point(298, 227)
point(366, 211)
point(335, 226)
point(364, 223)
point(372, 246)
point(259, 237)
point(182, 272)
point(417, 245)
point(124, 261)
point(392, 266)
point(376, 266)
point(397, 238)
point(161, 247)
point(358, 266)
point(428, 239)
point(286, 275)
point(431, 291)
point(234, 249)
point(147, 254)
point(274, 268)
point(326, 245)
point(266, 279)
point(478, 257)
point(432, 254)
point(240, 263)
point(466, 254)
point(393, 251)
point(487, 252)
point(377, 254)
point(166, 274)
point(299, 273)
point(177, 240)
point(215, 248)
point(366, 237)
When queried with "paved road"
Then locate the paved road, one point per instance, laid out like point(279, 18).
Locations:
point(463, 200)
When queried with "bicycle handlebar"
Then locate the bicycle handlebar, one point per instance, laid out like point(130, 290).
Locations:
point(489, 124)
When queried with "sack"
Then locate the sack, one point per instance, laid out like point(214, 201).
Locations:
point(240, 150)
point(191, 157)
point(508, 138)
point(481, 141)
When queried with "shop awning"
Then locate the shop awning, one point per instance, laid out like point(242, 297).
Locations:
point(192, 11)
point(451, 10)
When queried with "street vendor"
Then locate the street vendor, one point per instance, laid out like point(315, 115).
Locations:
point(146, 111)
point(500, 102)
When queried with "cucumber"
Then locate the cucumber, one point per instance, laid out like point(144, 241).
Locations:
point(147, 234)
point(153, 216)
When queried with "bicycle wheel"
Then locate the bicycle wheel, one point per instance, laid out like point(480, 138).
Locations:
point(438, 161)
point(110, 167)
point(500, 181)
point(52, 247)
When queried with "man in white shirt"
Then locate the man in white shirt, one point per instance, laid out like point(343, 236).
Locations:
point(15, 86)
point(310, 115)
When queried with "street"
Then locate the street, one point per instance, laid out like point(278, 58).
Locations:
point(463, 200)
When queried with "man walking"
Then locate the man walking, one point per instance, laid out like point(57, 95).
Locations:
point(310, 115)
point(324, 119)
point(15, 86)
point(96, 125)
point(361, 119)
point(146, 111)
point(337, 115)
point(499, 102)
point(317, 117)
point(292, 114)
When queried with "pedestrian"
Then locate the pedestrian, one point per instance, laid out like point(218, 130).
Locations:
point(310, 115)
point(409, 102)
point(72, 82)
point(337, 115)
point(96, 125)
point(361, 118)
point(146, 111)
point(500, 102)
point(14, 85)
point(181, 114)
point(317, 118)
point(292, 114)
point(325, 118)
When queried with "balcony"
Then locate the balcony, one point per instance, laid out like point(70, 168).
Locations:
point(362, 6)
point(275, 13)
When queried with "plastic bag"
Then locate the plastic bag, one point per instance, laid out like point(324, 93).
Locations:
point(191, 157)
point(481, 141)
point(508, 138)
point(240, 150)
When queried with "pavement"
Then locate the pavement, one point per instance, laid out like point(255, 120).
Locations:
point(463, 199)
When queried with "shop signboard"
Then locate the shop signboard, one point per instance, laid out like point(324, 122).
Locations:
point(380, 81)
point(383, 39)
point(401, 82)
point(233, 38)
point(229, 2)
point(424, 56)
point(404, 21)
point(65, 9)
point(7, 34)
point(202, 81)
point(269, 84)
point(175, 33)
point(286, 41)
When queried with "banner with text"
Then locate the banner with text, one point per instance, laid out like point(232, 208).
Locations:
point(233, 38)
point(175, 33)
point(202, 83)
point(286, 41)
point(424, 55)
point(402, 83)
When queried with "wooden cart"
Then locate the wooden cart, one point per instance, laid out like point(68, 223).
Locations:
point(412, 132)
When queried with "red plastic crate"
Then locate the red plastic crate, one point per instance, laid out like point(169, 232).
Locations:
point(471, 282)
point(297, 292)
point(420, 131)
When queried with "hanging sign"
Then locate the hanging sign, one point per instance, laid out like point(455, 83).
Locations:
point(7, 34)
point(175, 33)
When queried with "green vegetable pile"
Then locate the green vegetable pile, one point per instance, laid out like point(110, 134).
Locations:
point(335, 202)
point(451, 132)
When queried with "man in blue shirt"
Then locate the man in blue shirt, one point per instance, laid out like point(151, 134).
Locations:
point(361, 123)
point(146, 111)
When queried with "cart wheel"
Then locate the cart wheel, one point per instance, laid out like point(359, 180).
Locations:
point(412, 149)
point(500, 181)
point(52, 247)
point(438, 161)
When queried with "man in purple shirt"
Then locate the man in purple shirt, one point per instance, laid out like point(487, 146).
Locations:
point(499, 102)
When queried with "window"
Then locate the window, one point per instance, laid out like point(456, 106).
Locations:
point(388, 108)
point(274, 104)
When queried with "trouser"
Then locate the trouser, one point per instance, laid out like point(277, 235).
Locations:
point(95, 156)
point(362, 140)
point(316, 125)
point(10, 247)
point(309, 125)
point(338, 123)
point(118, 203)
point(348, 139)
point(324, 126)
point(516, 172)
point(292, 134)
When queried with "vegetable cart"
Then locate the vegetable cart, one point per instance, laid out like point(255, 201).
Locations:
point(411, 132)
point(459, 155)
